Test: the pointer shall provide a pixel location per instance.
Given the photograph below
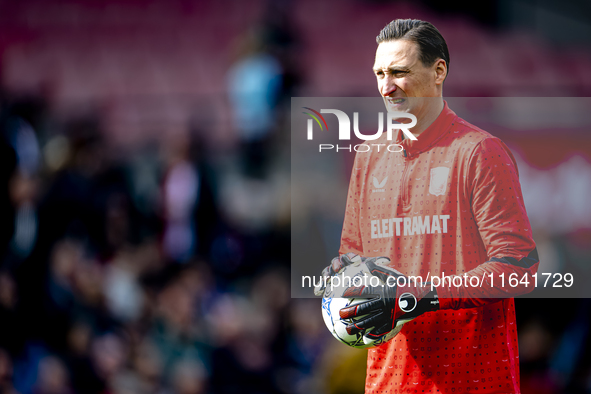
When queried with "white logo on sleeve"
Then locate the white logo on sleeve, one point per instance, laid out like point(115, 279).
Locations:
point(438, 182)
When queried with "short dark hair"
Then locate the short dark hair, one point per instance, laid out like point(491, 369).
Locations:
point(432, 45)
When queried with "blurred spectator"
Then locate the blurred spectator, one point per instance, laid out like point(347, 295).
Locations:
point(181, 189)
point(84, 375)
point(122, 290)
point(144, 375)
point(23, 193)
point(188, 378)
point(535, 344)
point(6, 386)
point(10, 338)
point(109, 354)
point(254, 84)
point(175, 333)
point(53, 377)
point(21, 159)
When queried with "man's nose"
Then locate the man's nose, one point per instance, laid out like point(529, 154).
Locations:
point(388, 86)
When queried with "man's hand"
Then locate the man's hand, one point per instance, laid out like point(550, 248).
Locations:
point(336, 265)
point(398, 299)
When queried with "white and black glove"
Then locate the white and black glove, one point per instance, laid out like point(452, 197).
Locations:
point(336, 265)
point(387, 304)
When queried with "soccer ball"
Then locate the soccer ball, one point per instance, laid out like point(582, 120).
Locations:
point(333, 302)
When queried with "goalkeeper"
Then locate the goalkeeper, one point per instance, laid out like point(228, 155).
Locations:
point(451, 204)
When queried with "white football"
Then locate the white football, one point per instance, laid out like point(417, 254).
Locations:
point(333, 302)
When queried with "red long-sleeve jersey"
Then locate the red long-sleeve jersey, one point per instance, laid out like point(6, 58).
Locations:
point(449, 204)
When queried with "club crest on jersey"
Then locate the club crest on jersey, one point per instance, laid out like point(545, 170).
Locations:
point(438, 181)
point(379, 186)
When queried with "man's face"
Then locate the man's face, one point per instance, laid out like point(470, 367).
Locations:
point(401, 76)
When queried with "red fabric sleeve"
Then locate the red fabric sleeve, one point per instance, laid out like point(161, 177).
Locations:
point(351, 235)
point(498, 208)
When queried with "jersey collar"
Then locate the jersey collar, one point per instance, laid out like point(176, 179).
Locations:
point(432, 134)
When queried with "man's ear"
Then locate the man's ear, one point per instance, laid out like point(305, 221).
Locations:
point(440, 71)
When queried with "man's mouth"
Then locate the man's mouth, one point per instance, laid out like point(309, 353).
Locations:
point(396, 100)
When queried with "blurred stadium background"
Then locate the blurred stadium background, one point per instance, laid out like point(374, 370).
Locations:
point(145, 203)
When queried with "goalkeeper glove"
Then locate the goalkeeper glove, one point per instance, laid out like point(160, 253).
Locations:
point(387, 303)
point(336, 265)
